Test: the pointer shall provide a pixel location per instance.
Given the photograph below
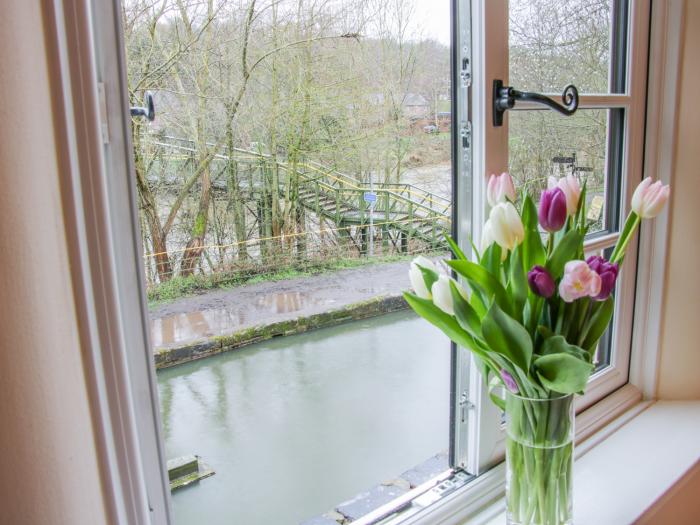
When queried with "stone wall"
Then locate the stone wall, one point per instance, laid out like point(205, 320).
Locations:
point(174, 355)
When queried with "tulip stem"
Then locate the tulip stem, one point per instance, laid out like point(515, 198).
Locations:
point(631, 225)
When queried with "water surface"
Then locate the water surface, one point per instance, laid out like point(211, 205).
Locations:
point(295, 425)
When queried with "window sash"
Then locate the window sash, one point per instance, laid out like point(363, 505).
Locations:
point(490, 19)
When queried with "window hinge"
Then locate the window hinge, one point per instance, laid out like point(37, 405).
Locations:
point(465, 131)
point(104, 123)
point(466, 72)
point(464, 405)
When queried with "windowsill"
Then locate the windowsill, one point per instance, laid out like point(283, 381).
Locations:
point(619, 479)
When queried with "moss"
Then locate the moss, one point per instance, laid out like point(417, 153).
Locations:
point(199, 225)
point(167, 357)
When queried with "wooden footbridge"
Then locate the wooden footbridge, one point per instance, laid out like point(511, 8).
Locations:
point(402, 212)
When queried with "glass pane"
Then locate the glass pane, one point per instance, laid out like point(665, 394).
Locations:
point(281, 204)
point(544, 144)
point(554, 43)
point(603, 355)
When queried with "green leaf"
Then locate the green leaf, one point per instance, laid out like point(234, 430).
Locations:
point(456, 250)
point(448, 324)
point(565, 251)
point(477, 302)
point(465, 314)
point(518, 283)
point(507, 337)
point(529, 214)
point(595, 327)
point(429, 277)
point(533, 250)
point(545, 332)
point(491, 260)
point(481, 278)
point(563, 372)
point(558, 345)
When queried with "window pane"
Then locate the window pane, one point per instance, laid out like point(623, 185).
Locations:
point(603, 356)
point(544, 144)
point(285, 199)
point(554, 43)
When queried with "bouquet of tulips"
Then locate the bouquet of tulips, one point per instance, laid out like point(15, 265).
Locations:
point(531, 307)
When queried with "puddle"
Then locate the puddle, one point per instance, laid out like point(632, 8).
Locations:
point(286, 302)
point(184, 327)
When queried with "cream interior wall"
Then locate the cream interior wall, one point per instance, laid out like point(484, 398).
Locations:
point(679, 373)
point(48, 466)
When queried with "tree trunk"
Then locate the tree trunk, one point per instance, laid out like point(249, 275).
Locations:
point(150, 213)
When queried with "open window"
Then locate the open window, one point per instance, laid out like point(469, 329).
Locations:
point(536, 45)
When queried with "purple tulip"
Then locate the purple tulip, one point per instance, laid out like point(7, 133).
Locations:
point(608, 275)
point(552, 212)
point(509, 382)
point(541, 282)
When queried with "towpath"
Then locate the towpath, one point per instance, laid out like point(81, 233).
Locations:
point(225, 311)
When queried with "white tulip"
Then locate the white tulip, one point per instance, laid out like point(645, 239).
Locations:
point(486, 236)
point(416, 276)
point(506, 226)
point(650, 198)
point(442, 294)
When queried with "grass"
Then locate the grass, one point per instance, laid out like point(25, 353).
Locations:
point(179, 287)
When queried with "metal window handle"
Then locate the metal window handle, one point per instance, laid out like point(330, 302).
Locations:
point(504, 98)
point(149, 111)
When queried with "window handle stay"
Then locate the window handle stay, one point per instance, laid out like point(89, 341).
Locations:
point(505, 97)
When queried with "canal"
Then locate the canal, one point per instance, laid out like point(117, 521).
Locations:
point(295, 425)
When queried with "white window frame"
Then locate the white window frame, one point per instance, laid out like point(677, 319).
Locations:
point(103, 235)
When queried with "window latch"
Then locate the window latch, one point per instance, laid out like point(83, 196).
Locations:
point(505, 97)
point(149, 111)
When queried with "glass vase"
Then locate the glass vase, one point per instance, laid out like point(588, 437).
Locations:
point(539, 460)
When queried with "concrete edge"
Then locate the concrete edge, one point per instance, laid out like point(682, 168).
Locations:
point(166, 357)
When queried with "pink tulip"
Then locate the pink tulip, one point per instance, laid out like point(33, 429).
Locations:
point(500, 188)
point(649, 198)
point(571, 188)
point(579, 281)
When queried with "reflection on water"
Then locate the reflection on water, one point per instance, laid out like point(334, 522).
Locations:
point(297, 424)
point(215, 321)
point(287, 302)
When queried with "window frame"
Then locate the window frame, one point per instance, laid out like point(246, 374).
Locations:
point(102, 229)
point(486, 446)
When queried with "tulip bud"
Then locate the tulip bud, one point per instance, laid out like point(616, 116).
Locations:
point(541, 282)
point(608, 275)
point(416, 276)
point(579, 281)
point(442, 294)
point(509, 382)
point(506, 225)
point(571, 188)
point(499, 189)
point(553, 209)
point(649, 198)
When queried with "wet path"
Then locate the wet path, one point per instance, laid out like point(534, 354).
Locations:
point(224, 311)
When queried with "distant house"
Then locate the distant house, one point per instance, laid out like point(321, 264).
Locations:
point(414, 105)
